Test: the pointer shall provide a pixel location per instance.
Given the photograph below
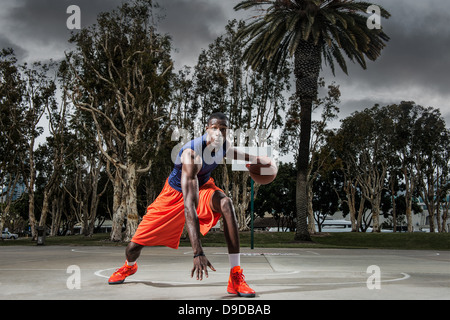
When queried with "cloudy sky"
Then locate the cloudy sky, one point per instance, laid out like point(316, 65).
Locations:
point(414, 66)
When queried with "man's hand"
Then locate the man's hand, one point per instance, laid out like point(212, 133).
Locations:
point(201, 265)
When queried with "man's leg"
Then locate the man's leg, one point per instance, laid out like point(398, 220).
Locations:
point(161, 225)
point(132, 252)
point(222, 204)
point(236, 283)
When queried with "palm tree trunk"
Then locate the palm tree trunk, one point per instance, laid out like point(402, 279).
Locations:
point(307, 67)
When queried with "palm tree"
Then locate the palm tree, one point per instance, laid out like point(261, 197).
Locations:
point(309, 30)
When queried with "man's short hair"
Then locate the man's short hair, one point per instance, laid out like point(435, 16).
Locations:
point(218, 116)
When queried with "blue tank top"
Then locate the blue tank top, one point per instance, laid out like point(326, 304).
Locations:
point(210, 160)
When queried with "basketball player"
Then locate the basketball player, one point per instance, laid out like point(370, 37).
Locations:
point(190, 195)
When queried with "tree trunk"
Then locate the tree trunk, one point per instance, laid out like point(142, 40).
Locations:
point(350, 192)
point(95, 197)
point(301, 232)
point(57, 208)
point(408, 203)
point(307, 67)
point(376, 215)
point(410, 184)
point(311, 224)
point(428, 197)
point(131, 202)
point(45, 206)
point(119, 208)
point(431, 214)
point(360, 215)
point(392, 180)
point(241, 197)
point(445, 207)
point(31, 215)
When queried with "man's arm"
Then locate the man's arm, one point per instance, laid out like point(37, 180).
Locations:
point(189, 186)
point(192, 165)
point(235, 154)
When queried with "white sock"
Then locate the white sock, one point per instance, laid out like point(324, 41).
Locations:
point(130, 263)
point(235, 259)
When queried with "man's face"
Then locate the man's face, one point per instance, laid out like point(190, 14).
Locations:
point(216, 130)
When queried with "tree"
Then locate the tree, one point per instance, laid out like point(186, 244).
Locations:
point(443, 194)
point(122, 73)
point(320, 156)
point(431, 162)
point(395, 148)
point(12, 138)
point(324, 201)
point(39, 98)
point(420, 149)
point(406, 147)
point(309, 30)
point(365, 147)
point(278, 197)
point(83, 161)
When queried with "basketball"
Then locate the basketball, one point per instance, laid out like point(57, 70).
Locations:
point(264, 172)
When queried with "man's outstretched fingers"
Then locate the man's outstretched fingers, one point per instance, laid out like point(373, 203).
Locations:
point(211, 266)
point(201, 265)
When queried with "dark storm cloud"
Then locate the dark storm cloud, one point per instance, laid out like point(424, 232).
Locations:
point(19, 51)
point(417, 54)
point(38, 23)
point(414, 66)
point(192, 25)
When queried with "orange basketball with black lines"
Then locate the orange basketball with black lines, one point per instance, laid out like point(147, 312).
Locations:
point(264, 172)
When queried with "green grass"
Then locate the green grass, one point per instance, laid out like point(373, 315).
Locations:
point(100, 239)
point(407, 241)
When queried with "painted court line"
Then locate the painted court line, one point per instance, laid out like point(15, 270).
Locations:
point(405, 276)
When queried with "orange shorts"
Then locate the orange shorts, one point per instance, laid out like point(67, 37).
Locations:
point(163, 223)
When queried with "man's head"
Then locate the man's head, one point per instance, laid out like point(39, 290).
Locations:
point(216, 128)
point(217, 116)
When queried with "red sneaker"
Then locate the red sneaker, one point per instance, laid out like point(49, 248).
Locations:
point(237, 284)
point(120, 274)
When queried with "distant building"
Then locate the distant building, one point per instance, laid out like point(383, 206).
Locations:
point(18, 191)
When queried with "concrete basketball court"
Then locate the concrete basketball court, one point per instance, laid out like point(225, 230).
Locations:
point(71, 273)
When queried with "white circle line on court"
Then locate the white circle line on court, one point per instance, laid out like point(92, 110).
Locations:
point(92, 251)
point(405, 276)
point(99, 274)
